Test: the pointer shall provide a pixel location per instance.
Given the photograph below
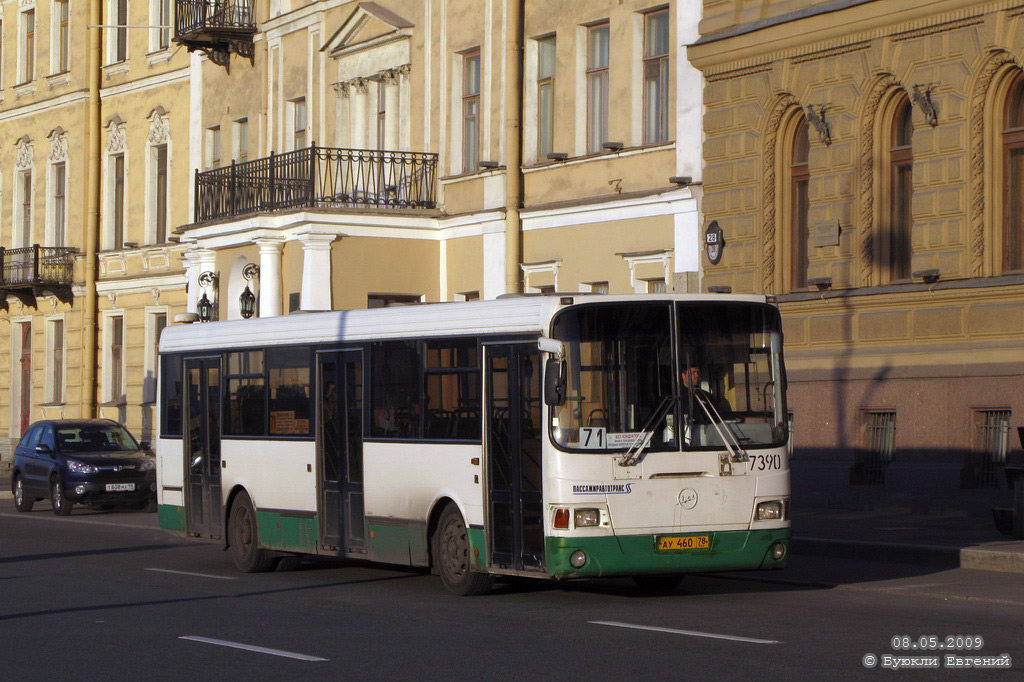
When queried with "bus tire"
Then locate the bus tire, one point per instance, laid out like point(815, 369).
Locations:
point(451, 556)
point(61, 504)
point(657, 584)
point(22, 501)
point(244, 538)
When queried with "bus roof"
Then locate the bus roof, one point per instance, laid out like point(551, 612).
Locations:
point(514, 315)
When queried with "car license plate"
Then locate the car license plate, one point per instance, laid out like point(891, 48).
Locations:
point(119, 487)
point(683, 542)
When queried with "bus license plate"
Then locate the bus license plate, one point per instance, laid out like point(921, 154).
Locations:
point(119, 487)
point(676, 542)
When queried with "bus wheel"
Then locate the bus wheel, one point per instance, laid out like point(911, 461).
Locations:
point(451, 556)
point(244, 538)
point(657, 584)
point(22, 502)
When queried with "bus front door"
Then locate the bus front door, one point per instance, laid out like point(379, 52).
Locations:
point(515, 535)
point(340, 450)
point(202, 442)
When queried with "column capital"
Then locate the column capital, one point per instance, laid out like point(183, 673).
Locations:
point(314, 240)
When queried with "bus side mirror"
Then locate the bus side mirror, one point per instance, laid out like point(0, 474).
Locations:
point(554, 382)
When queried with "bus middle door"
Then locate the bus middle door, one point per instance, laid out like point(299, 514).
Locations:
point(340, 450)
point(202, 448)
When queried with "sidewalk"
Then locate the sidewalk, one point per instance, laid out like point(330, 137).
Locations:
point(954, 540)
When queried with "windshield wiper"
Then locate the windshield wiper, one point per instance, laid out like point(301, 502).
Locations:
point(738, 454)
point(632, 455)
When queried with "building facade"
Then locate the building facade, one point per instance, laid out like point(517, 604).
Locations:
point(328, 155)
point(862, 160)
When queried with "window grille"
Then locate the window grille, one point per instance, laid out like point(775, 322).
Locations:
point(991, 443)
point(879, 450)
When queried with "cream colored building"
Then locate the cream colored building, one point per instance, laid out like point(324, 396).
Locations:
point(863, 161)
point(357, 153)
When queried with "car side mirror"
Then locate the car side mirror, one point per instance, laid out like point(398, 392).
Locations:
point(144, 444)
point(44, 449)
point(554, 382)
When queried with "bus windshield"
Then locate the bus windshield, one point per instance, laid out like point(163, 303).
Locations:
point(623, 388)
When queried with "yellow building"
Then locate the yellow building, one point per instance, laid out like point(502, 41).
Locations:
point(332, 155)
point(863, 162)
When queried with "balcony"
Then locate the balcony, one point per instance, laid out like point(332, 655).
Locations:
point(317, 178)
point(30, 271)
point(217, 27)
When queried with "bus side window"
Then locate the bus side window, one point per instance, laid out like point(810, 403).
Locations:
point(395, 389)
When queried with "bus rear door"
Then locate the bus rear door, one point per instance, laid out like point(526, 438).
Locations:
point(202, 448)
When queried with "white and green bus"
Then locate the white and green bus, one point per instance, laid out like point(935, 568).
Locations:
point(572, 436)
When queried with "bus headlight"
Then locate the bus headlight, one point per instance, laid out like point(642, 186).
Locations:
point(587, 517)
point(767, 511)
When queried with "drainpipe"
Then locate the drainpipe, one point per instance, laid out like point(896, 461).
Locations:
point(514, 146)
point(92, 212)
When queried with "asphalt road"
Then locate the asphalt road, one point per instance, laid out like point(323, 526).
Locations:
point(108, 596)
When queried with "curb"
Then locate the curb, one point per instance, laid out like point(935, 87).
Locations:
point(1005, 557)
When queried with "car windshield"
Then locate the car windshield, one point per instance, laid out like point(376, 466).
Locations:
point(95, 438)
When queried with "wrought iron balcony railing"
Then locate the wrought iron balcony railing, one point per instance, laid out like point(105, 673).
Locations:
point(29, 271)
point(217, 27)
point(317, 177)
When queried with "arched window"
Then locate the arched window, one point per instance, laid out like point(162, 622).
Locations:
point(799, 179)
point(1013, 160)
point(897, 244)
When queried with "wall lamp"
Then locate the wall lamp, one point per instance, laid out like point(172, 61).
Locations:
point(720, 289)
point(681, 180)
point(924, 102)
point(558, 156)
point(247, 299)
point(820, 123)
point(489, 164)
point(613, 146)
point(929, 276)
point(204, 307)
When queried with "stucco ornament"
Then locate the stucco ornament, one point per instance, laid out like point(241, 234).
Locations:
point(782, 105)
point(24, 156)
point(159, 129)
point(59, 147)
point(866, 238)
point(115, 137)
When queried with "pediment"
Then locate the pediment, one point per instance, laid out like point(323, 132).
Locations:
point(368, 25)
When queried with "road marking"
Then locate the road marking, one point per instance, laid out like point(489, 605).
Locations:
point(249, 647)
point(691, 633)
point(76, 519)
point(198, 575)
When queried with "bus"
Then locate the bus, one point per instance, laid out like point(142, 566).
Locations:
point(558, 436)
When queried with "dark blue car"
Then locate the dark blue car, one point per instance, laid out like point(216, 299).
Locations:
point(88, 461)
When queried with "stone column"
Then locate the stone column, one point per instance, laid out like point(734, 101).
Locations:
point(316, 271)
point(270, 275)
point(207, 259)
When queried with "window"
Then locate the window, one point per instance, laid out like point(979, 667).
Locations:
point(470, 111)
point(545, 95)
point(395, 389)
point(288, 371)
point(62, 36)
point(242, 140)
point(657, 286)
point(597, 87)
point(991, 444)
point(799, 207)
point(452, 381)
point(115, 376)
point(24, 233)
point(213, 147)
point(157, 322)
point(28, 46)
point(1013, 160)
point(299, 123)
point(55, 357)
point(170, 409)
point(162, 34)
point(897, 245)
point(159, 159)
point(598, 287)
point(382, 111)
point(656, 48)
point(120, 41)
point(59, 203)
point(384, 300)
point(246, 394)
point(878, 451)
point(117, 182)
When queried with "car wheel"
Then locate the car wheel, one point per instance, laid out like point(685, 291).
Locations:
point(150, 506)
point(61, 504)
point(451, 556)
point(243, 536)
point(22, 502)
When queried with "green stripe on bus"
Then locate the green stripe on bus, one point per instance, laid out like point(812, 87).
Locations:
point(477, 549)
point(171, 517)
point(287, 533)
point(638, 554)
